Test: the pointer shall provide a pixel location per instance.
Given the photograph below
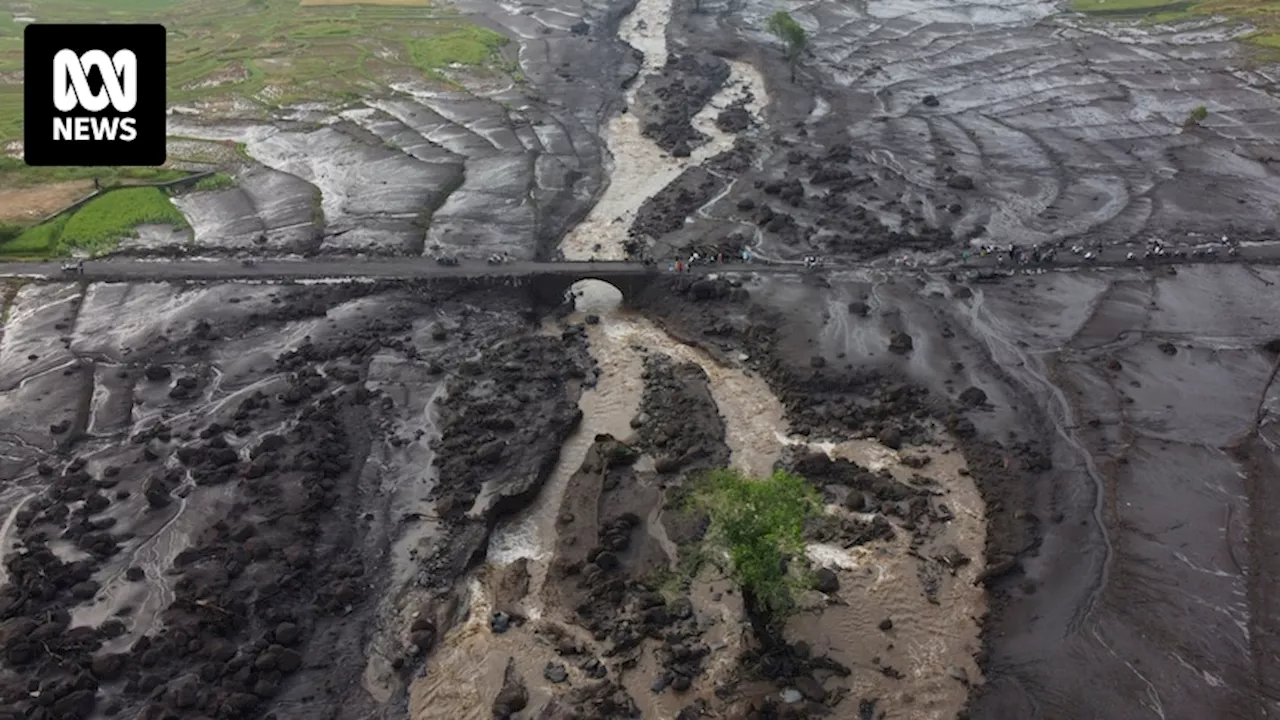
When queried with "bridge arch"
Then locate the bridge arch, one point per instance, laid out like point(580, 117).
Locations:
point(595, 296)
point(550, 289)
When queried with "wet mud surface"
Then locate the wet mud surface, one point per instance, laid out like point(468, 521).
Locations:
point(220, 509)
point(910, 127)
point(235, 505)
point(1119, 559)
point(918, 126)
point(426, 168)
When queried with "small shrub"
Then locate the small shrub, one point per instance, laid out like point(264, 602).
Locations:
point(621, 454)
point(1196, 116)
point(216, 181)
point(793, 37)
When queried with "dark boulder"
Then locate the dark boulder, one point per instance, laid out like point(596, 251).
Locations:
point(972, 397)
point(826, 581)
point(901, 343)
point(891, 438)
point(156, 373)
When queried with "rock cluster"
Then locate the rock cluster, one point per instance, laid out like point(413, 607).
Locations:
point(670, 100)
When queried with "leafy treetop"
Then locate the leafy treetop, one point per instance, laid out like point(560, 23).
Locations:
point(787, 30)
point(759, 523)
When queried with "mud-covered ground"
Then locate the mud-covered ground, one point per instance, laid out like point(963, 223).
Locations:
point(1127, 568)
point(608, 605)
point(1106, 418)
point(921, 125)
point(233, 505)
point(317, 501)
point(911, 127)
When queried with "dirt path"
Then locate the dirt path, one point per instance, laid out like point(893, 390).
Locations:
point(32, 203)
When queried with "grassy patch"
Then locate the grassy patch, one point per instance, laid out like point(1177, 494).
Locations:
point(10, 113)
point(103, 221)
point(10, 231)
point(1126, 7)
point(1168, 17)
point(36, 242)
point(1197, 116)
point(15, 173)
point(759, 524)
point(98, 226)
point(465, 46)
point(1265, 14)
point(1269, 40)
point(216, 181)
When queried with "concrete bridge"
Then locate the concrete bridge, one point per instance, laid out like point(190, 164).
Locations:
point(547, 281)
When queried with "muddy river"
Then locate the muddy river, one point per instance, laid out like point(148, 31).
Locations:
point(878, 580)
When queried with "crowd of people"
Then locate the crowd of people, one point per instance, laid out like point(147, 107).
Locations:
point(1154, 249)
point(697, 258)
point(1002, 255)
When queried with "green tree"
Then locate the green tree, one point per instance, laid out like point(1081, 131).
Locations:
point(793, 38)
point(759, 524)
point(1197, 116)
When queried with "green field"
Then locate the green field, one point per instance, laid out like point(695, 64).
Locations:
point(15, 173)
point(98, 226)
point(271, 52)
point(1264, 14)
point(266, 52)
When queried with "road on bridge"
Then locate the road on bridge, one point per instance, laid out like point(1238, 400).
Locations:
point(380, 268)
point(401, 268)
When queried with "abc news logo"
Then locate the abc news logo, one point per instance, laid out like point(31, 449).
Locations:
point(71, 91)
point(94, 95)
